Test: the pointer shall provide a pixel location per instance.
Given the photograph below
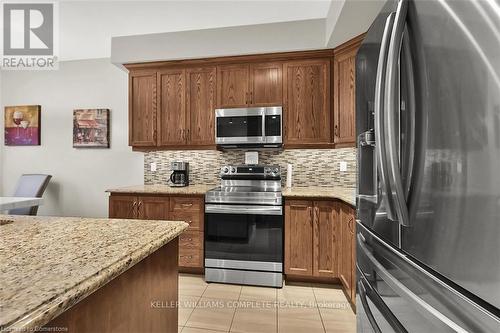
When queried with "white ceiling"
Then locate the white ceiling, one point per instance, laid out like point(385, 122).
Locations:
point(86, 27)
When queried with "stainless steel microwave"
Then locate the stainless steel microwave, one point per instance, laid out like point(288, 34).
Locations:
point(249, 127)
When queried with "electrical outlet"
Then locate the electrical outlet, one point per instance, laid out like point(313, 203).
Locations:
point(343, 166)
point(152, 166)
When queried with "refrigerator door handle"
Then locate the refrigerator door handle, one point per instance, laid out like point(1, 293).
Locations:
point(406, 293)
point(391, 105)
point(410, 108)
point(381, 163)
point(366, 307)
point(366, 290)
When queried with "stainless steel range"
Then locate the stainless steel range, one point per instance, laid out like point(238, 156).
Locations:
point(244, 227)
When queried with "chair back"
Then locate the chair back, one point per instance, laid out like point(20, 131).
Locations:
point(33, 186)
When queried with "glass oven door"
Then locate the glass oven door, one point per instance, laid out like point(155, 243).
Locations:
point(246, 237)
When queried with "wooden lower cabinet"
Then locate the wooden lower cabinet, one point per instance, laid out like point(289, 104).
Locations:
point(299, 238)
point(122, 207)
point(190, 209)
point(326, 230)
point(131, 302)
point(311, 238)
point(320, 242)
point(347, 262)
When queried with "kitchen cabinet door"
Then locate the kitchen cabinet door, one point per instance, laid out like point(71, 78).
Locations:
point(142, 108)
point(352, 231)
point(122, 207)
point(232, 86)
point(307, 102)
point(326, 238)
point(266, 84)
point(200, 105)
point(344, 97)
point(299, 237)
point(153, 208)
point(172, 107)
point(347, 260)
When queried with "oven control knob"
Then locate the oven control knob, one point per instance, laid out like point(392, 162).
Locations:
point(233, 170)
point(275, 171)
point(225, 170)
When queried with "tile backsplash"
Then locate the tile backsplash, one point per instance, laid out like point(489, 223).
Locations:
point(311, 167)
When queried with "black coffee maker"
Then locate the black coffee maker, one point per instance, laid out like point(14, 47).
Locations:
point(180, 174)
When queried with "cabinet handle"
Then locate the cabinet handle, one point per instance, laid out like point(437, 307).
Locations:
point(189, 257)
point(139, 204)
point(251, 97)
point(155, 135)
point(246, 98)
point(187, 205)
point(336, 130)
point(132, 209)
point(350, 224)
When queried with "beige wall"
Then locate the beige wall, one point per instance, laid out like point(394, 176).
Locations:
point(80, 176)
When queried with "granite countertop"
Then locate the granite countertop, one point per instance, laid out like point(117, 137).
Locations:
point(48, 264)
point(345, 194)
point(164, 189)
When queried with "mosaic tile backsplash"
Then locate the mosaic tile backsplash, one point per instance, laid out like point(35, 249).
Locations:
point(311, 167)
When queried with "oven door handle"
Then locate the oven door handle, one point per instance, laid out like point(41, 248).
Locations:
point(244, 209)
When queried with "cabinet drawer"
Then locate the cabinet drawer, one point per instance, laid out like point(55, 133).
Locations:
point(190, 257)
point(186, 204)
point(190, 240)
point(192, 218)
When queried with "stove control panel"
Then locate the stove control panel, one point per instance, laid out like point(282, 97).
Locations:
point(251, 170)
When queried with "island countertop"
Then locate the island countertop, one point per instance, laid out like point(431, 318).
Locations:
point(48, 264)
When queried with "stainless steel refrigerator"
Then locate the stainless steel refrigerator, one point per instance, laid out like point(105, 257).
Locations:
point(428, 197)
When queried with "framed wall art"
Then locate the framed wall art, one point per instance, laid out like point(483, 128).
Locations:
point(91, 128)
point(22, 125)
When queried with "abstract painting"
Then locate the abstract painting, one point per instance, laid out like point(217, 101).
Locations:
point(91, 128)
point(22, 125)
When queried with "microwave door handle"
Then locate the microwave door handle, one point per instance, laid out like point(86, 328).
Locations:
point(264, 126)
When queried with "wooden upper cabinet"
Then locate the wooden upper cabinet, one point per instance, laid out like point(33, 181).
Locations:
point(255, 84)
point(232, 86)
point(172, 107)
point(266, 84)
point(307, 102)
point(326, 231)
point(344, 94)
point(142, 109)
point(299, 238)
point(200, 105)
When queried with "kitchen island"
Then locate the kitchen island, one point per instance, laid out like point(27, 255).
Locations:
point(88, 275)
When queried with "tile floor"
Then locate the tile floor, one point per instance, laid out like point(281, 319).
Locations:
point(212, 308)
